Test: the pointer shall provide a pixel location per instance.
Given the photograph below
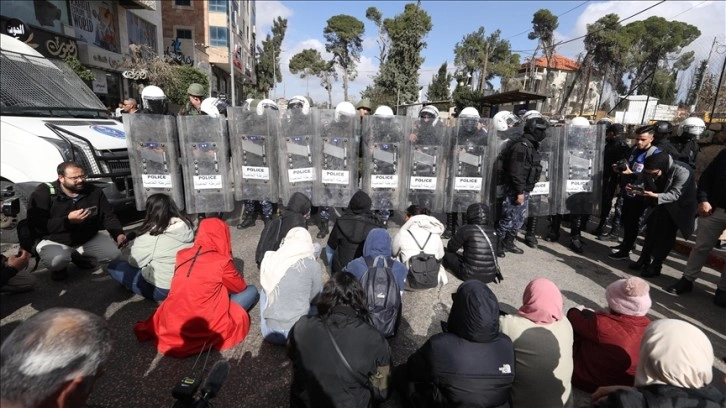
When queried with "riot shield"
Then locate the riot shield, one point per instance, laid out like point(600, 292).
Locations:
point(581, 158)
point(153, 157)
point(253, 139)
point(543, 198)
point(205, 164)
point(298, 151)
point(498, 155)
point(427, 149)
point(337, 161)
point(469, 167)
point(383, 172)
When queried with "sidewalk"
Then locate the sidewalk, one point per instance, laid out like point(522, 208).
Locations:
point(716, 259)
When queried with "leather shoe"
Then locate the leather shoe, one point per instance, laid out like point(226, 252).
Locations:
point(641, 263)
point(680, 287)
point(576, 245)
point(719, 299)
point(651, 271)
point(619, 255)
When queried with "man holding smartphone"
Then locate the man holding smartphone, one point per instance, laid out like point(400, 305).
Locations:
point(66, 216)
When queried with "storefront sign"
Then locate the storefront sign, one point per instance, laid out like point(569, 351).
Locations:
point(16, 29)
point(96, 57)
point(47, 14)
point(100, 84)
point(47, 43)
point(96, 23)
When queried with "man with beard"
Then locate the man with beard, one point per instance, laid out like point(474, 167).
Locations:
point(65, 217)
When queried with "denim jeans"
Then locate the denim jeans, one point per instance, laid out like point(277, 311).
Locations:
point(247, 298)
point(130, 277)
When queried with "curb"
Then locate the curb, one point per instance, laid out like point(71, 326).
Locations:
point(716, 259)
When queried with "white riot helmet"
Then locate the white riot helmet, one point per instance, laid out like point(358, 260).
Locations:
point(430, 111)
point(266, 104)
point(383, 111)
point(299, 102)
point(505, 120)
point(469, 112)
point(580, 122)
point(692, 126)
point(344, 108)
point(209, 106)
point(247, 104)
point(154, 99)
point(531, 114)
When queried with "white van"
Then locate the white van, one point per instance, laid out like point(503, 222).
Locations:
point(47, 116)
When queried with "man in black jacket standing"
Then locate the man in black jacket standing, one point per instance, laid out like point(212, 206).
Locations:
point(615, 150)
point(522, 169)
point(66, 215)
point(711, 224)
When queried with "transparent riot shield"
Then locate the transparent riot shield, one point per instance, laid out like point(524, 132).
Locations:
point(543, 198)
point(205, 164)
point(383, 172)
point(154, 157)
point(581, 158)
point(298, 145)
point(498, 155)
point(469, 165)
point(427, 151)
point(253, 139)
point(337, 161)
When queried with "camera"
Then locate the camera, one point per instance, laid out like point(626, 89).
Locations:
point(638, 188)
point(11, 207)
point(621, 165)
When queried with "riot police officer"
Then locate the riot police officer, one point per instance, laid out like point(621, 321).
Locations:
point(615, 151)
point(685, 144)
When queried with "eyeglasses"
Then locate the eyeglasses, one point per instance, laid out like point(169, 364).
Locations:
point(81, 177)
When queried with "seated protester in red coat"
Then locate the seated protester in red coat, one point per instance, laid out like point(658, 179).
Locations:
point(675, 370)
point(607, 343)
point(209, 299)
point(471, 364)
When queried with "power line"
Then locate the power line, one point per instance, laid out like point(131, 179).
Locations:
point(560, 15)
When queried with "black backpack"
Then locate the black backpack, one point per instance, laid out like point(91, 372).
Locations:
point(383, 295)
point(423, 268)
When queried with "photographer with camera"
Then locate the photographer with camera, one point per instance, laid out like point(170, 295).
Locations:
point(633, 205)
point(614, 153)
point(670, 192)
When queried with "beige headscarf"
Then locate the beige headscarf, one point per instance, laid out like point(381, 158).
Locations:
point(296, 245)
point(674, 352)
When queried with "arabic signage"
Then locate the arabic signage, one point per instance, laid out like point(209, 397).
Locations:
point(96, 23)
point(47, 43)
point(97, 57)
point(48, 14)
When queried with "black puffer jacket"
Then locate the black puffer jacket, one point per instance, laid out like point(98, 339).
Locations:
point(471, 365)
point(351, 230)
point(479, 261)
point(662, 395)
point(292, 216)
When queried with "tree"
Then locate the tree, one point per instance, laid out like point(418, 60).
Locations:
point(398, 77)
point(483, 57)
point(696, 82)
point(438, 90)
point(544, 24)
point(384, 42)
point(267, 68)
point(344, 40)
point(309, 62)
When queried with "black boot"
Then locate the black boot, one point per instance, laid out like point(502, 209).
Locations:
point(642, 263)
point(652, 270)
point(510, 246)
point(576, 244)
point(450, 225)
point(500, 248)
point(600, 230)
point(554, 234)
point(247, 221)
point(323, 229)
point(530, 239)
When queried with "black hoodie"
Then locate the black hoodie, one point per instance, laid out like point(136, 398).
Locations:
point(292, 216)
point(351, 229)
point(471, 365)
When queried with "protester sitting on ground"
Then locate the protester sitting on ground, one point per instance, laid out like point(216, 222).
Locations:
point(350, 231)
point(294, 215)
point(291, 280)
point(420, 233)
point(209, 302)
point(543, 347)
point(479, 241)
point(675, 369)
point(53, 359)
point(15, 277)
point(336, 352)
point(378, 243)
point(607, 343)
point(66, 215)
point(470, 364)
point(150, 266)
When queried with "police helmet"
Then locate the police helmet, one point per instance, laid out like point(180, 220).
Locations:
point(154, 100)
point(209, 107)
point(531, 114)
point(196, 90)
point(692, 126)
point(504, 120)
point(384, 111)
point(299, 102)
point(265, 104)
point(663, 128)
point(344, 108)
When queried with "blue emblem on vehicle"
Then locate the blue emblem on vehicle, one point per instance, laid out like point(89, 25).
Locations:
point(109, 131)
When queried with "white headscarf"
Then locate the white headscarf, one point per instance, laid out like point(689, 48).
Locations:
point(296, 245)
point(674, 352)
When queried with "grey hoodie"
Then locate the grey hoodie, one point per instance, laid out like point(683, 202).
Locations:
point(156, 254)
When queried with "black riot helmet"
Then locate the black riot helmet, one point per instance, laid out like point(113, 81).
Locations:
point(662, 129)
point(537, 127)
point(616, 129)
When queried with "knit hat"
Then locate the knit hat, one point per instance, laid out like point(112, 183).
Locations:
point(659, 161)
point(629, 296)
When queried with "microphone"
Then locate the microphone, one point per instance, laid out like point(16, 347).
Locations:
point(215, 379)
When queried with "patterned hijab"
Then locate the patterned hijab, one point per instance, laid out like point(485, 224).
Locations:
point(541, 302)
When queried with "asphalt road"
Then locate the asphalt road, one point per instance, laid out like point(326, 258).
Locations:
point(137, 376)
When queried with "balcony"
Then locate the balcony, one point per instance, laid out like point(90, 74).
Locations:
point(138, 4)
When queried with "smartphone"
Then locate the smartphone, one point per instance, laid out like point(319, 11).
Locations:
point(93, 211)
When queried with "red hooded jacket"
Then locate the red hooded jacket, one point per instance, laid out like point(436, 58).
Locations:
point(198, 309)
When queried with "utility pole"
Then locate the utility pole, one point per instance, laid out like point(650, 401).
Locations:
point(232, 50)
point(718, 88)
point(703, 74)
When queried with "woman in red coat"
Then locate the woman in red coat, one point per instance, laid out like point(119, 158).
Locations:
point(208, 302)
